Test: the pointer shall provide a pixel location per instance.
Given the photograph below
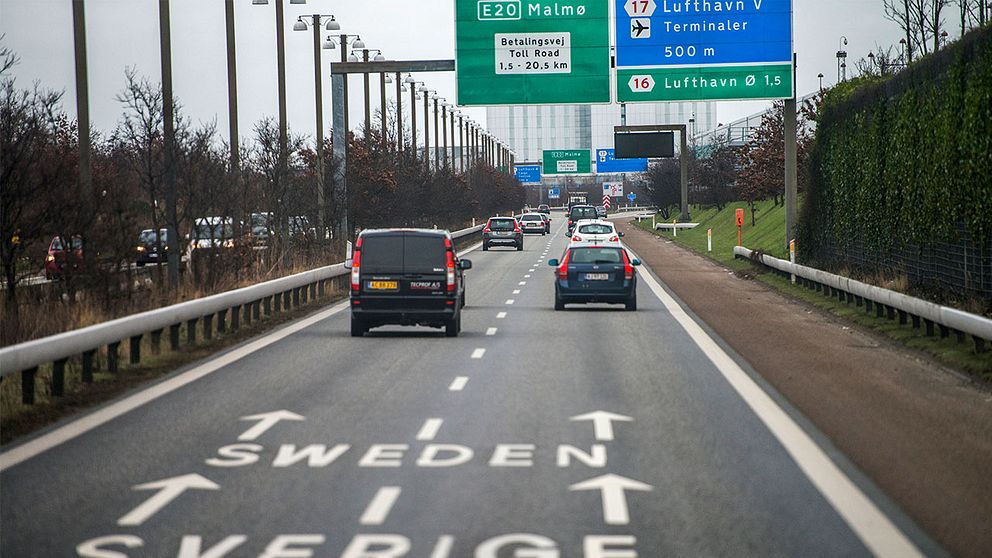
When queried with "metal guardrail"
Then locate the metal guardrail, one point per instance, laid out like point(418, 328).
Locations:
point(884, 302)
point(246, 303)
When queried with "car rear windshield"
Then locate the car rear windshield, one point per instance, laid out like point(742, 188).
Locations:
point(148, 236)
point(583, 213)
point(532, 218)
point(502, 224)
point(403, 254)
point(595, 229)
point(595, 256)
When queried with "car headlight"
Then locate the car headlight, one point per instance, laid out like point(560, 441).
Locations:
point(229, 244)
point(140, 248)
point(50, 258)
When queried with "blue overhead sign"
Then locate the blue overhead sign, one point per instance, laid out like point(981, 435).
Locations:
point(528, 174)
point(653, 33)
point(554, 193)
point(606, 163)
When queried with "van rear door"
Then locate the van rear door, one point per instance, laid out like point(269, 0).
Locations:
point(404, 270)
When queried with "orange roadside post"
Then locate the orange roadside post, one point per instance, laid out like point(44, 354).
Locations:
point(740, 223)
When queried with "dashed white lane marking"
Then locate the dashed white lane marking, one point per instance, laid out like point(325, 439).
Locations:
point(531, 270)
point(509, 301)
point(516, 291)
point(477, 354)
point(429, 430)
point(870, 524)
point(491, 331)
point(380, 506)
point(458, 384)
point(528, 275)
point(501, 315)
point(522, 283)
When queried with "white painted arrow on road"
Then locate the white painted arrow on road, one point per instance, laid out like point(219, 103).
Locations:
point(168, 490)
point(614, 500)
point(602, 423)
point(265, 422)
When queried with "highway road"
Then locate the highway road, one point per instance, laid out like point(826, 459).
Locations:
point(592, 432)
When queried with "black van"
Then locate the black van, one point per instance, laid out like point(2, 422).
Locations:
point(406, 277)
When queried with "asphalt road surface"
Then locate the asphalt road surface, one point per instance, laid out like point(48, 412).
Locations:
point(535, 434)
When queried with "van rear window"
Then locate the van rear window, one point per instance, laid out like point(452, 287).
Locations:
point(403, 254)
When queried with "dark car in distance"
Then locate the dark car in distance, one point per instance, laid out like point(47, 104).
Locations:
point(62, 255)
point(502, 231)
point(578, 213)
point(595, 273)
point(147, 249)
point(544, 208)
point(406, 277)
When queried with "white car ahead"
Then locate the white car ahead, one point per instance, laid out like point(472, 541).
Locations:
point(596, 231)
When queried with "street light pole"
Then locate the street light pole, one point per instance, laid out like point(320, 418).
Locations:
point(841, 59)
point(169, 140)
point(82, 100)
point(232, 88)
point(368, 96)
point(461, 142)
point(399, 113)
point(382, 103)
point(427, 127)
point(437, 144)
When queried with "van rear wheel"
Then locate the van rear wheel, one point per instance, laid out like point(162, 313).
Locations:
point(358, 327)
point(454, 325)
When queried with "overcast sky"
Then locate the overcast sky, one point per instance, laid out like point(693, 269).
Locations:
point(124, 33)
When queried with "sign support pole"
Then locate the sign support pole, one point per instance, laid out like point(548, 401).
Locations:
point(684, 173)
point(791, 164)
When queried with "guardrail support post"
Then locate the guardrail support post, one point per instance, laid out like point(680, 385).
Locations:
point(929, 326)
point(903, 317)
point(960, 336)
point(267, 305)
point(88, 366)
point(296, 297)
point(191, 331)
point(879, 310)
point(891, 312)
point(58, 377)
point(174, 336)
point(868, 305)
point(134, 351)
point(945, 331)
point(235, 318)
point(850, 298)
point(277, 303)
point(27, 386)
point(112, 355)
point(285, 300)
point(156, 341)
point(313, 292)
point(916, 321)
point(247, 316)
point(979, 344)
point(256, 310)
point(208, 327)
point(320, 289)
point(222, 321)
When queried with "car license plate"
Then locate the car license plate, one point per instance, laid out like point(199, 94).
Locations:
point(597, 276)
point(383, 285)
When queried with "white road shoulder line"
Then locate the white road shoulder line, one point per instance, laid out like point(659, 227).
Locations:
point(89, 422)
point(429, 430)
point(458, 383)
point(874, 528)
point(478, 353)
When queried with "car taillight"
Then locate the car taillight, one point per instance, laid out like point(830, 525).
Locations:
point(576, 238)
point(487, 229)
point(516, 227)
point(628, 270)
point(451, 271)
point(614, 239)
point(563, 267)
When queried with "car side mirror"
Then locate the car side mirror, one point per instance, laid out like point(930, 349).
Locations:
point(348, 263)
point(635, 262)
point(620, 235)
point(553, 262)
point(464, 264)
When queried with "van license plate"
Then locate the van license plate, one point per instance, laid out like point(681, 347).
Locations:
point(383, 285)
point(597, 276)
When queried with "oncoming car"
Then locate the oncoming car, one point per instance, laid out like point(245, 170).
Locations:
point(593, 273)
point(596, 232)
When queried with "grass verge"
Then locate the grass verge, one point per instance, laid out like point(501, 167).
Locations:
point(768, 234)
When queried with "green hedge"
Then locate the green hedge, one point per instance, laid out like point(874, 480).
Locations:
point(905, 159)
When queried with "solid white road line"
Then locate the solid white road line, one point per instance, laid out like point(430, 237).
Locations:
point(501, 315)
point(477, 354)
point(380, 506)
point(875, 530)
point(458, 384)
point(429, 430)
point(491, 331)
point(89, 422)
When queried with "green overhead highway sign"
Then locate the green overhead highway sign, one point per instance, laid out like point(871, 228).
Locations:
point(573, 161)
point(513, 52)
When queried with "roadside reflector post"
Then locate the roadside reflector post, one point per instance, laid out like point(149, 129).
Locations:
point(739, 214)
point(709, 240)
point(654, 224)
point(792, 258)
point(675, 228)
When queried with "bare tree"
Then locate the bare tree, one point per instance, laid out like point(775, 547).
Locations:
point(922, 22)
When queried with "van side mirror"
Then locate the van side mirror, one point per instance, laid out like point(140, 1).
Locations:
point(553, 262)
point(464, 264)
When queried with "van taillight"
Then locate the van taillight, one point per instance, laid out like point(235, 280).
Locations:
point(355, 262)
point(451, 271)
point(563, 267)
